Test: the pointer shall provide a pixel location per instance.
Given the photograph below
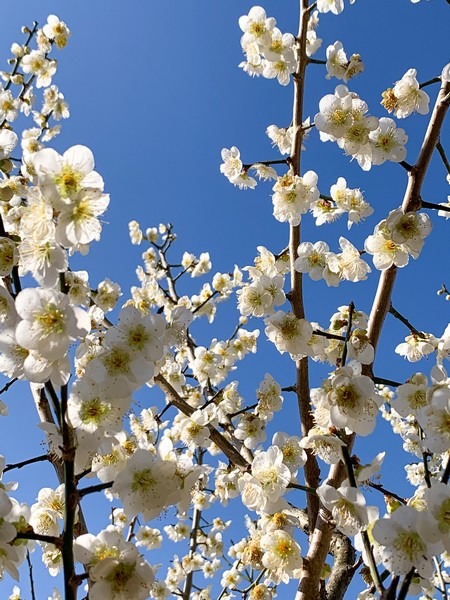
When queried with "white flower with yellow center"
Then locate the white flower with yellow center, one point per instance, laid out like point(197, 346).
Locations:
point(271, 473)
point(282, 555)
point(63, 177)
point(116, 569)
point(407, 537)
point(353, 401)
point(288, 333)
point(49, 322)
point(348, 507)
point(147, 485)
point(78, 221)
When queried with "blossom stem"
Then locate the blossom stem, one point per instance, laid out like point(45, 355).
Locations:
point(54, 400)
point(196, 517)
point(426, 468)
point(443, 156)
point(71, 500)
point(435, 206)
point(446, 474)
point(30, 573)
point(405, 321)
point(330, 336)
point(289, 388)
point(92, 489)
point(200, 306)
point(38, 537)
point(316, 61)
point(351, 308)
point(24, 463)
point(243, 410)
point(304, 488)
point(383, 490)
point(405, 585)
point(405, 165)
point(383, 381)
point(312, 472)
point(365, 538)
point(227, 448)
point(278, 161)
point(31, 33)
point(429, 82)
point(6, 387)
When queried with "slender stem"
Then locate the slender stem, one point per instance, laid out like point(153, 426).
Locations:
point(443, 588)
point(405, 165)
point(311, 469)
point(279, 161)
point(330, 336)
point(365, 538)
point(446, 474)
point(429, 82)
point(351, 308)
point(383, 381)
point(6, 387)
point(54, 400)
point(47, 539)
point(405, 585)
point(193, 540)
point(30, 573)
point(383, 490)
point(440, 149)
point(200, 306)
point(435, 206)
point(92, 489)
point(405, 321)
point(70, 500)
point(243, 410)
point(304, 488)
point(227, 447)
point(31, 33)
point(24, 463)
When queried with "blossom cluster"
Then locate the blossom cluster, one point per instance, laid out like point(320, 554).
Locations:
point(51, 206)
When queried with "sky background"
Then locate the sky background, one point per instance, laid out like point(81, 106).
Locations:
point(155, 91)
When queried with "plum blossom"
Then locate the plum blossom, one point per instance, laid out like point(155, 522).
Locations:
point(407, 537)
point(406, 97)
point(348, 507)
point(116, 569)
point(49, 322)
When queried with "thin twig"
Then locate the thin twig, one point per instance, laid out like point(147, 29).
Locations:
point(24, 463)
point(405, 321)
point(92, 489)
point(383, 490)
point(433, 206)
point(6, 387)
point(440, 149)
point(30, 573)
point(405, 585)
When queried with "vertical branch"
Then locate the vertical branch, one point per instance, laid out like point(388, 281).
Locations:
point(411, 203)
point(70, 501)
point(296, 297)
point(193, 539)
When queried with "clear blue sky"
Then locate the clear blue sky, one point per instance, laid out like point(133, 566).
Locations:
point(155, 92)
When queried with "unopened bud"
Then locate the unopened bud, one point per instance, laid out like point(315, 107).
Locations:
point(17, 79)
point(6, 165)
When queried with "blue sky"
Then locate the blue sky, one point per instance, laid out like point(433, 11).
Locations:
point(155, 92)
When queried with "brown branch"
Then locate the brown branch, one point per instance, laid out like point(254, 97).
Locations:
point(311, 468)
point(411, 203)
point(219, 439)
point(24, 463)
point(344, 566)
